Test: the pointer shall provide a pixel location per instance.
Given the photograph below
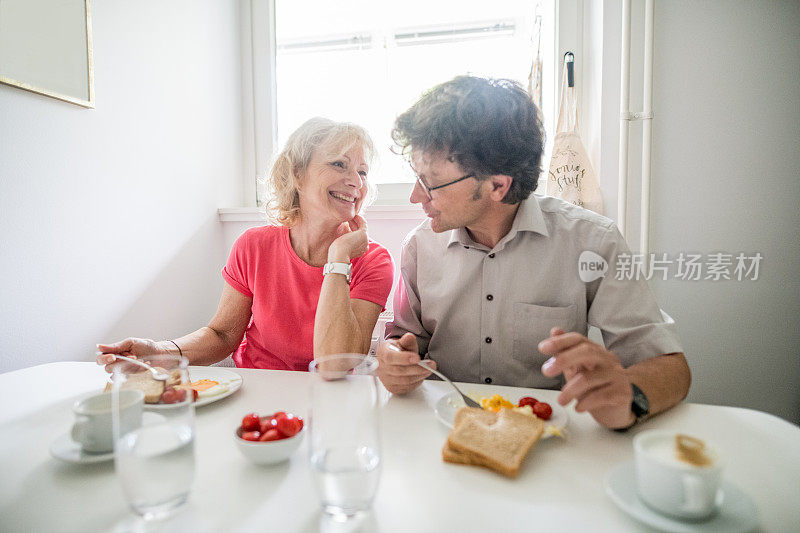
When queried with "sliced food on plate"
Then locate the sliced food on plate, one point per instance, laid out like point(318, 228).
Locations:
point(498, 440)
point(210, 384)
point(153, 389)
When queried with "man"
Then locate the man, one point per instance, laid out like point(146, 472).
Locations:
point(491, 290)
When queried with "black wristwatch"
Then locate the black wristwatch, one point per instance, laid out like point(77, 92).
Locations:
point(640, 407)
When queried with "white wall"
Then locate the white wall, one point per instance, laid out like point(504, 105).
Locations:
point(108, 217)
point(724, 179)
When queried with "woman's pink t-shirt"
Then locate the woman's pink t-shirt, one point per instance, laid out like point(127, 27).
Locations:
point(285, 291)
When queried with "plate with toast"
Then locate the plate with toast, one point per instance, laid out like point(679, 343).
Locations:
point(449, 404)
point(207, 383)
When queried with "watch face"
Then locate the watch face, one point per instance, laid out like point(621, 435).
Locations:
point(640, 406)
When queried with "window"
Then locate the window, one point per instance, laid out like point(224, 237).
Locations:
point(367, 61)
point(299, 55)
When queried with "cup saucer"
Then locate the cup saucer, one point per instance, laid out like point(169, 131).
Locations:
point(737, 514)
point(66, 449)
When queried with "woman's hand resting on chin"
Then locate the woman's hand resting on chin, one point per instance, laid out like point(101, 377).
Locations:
point(351, 243)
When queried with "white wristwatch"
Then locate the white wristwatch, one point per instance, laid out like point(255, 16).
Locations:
point(338, 268)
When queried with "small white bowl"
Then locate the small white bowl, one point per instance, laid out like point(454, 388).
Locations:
point(269, 452)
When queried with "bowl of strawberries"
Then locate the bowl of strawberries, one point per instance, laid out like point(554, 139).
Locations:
point(269, 439)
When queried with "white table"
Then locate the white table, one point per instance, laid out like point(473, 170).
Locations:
point(559, 488)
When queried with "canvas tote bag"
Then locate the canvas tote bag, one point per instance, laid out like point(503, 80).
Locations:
point(571, 176)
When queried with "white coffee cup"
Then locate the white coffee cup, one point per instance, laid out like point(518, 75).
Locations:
point(671, 485)
point(93, 416)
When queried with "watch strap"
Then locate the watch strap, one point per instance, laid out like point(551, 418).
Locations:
point(338, 268)
point(640, 407)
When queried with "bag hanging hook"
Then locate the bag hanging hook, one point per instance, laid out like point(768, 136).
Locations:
point(569, 59)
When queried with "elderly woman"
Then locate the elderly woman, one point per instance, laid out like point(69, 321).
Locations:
point(310, 285)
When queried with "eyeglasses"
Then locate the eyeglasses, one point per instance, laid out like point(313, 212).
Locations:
point(428, 190)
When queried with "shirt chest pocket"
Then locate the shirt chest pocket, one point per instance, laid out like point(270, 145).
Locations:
point(532, 324)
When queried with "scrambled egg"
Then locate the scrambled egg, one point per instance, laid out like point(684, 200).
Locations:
point(495, 403)
point(552, 430)
point(207, 388)
point(525, 410)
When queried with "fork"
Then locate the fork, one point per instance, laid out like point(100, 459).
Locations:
point(422, 362)
point(469, 401)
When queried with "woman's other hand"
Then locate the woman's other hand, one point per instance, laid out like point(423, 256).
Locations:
point(351, 243)
point(130, 347)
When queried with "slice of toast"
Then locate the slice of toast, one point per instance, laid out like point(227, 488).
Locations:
point(174, 377)
point(475, 413)
point(499, 441)
point(450, 455)
point(144, 382)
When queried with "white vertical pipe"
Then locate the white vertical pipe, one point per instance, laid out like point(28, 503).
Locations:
point(624, 110)
point(249, 173)
point(647, 125)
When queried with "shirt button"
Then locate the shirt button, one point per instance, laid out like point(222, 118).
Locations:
point(487, 380)
point(488, 340)
point(489, 297)
point(491, 256)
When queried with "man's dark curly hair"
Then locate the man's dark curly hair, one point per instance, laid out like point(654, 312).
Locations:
point(489, 126)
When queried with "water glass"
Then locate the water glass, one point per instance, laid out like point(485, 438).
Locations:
point(155, 460)
point(344, 449)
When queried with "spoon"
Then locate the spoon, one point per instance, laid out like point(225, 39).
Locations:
point(423, 363)
point(158, 376)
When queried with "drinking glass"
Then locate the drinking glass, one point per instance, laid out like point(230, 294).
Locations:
point(155, 460)
point(345, 450)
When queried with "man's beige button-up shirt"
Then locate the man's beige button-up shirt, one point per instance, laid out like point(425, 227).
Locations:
point(481, 313)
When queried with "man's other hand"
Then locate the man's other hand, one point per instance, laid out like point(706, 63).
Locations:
point(594, 377)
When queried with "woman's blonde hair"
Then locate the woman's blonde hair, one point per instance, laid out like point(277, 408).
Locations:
point(333, 139)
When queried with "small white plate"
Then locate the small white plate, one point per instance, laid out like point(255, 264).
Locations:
point(737, 514)
point(449, 404)
point(68, 450)
point(220, 375)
